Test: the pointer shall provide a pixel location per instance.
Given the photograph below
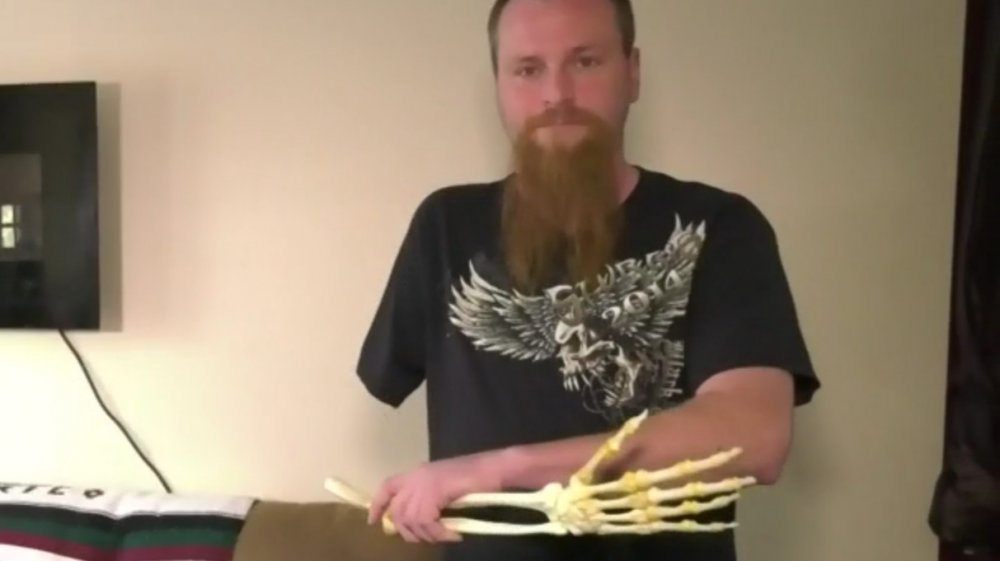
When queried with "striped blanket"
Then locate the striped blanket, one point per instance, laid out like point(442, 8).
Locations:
point(52, 523)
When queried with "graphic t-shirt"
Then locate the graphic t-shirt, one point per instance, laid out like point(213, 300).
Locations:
point(697, 287)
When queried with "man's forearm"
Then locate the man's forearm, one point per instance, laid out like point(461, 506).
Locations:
point(697, 429)
point(535, 465)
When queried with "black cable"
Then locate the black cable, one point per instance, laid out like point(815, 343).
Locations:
point(121, 427)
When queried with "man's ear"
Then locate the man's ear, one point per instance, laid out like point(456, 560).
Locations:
point(634, 75)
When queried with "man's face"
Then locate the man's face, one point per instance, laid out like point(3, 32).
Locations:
point(563, 54)
point(564, 85)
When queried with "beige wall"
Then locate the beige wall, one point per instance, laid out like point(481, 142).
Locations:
point(261, 161)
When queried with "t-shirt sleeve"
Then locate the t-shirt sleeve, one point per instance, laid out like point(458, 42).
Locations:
point(391, 364)
point(741, 311)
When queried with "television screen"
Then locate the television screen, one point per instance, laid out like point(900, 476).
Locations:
point(49, 268)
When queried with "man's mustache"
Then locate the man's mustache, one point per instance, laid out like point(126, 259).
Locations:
point(563, 114)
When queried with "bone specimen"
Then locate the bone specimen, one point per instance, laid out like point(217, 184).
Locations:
point(632, 504)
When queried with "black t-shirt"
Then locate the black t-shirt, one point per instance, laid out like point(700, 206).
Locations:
point(697, 287)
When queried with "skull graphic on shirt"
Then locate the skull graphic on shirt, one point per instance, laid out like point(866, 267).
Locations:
point(610, 338)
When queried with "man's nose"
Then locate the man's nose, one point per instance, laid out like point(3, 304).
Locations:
point(558, 88)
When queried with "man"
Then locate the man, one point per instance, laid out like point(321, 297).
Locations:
point(545, 308)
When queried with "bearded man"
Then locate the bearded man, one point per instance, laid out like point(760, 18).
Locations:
point(544, 308)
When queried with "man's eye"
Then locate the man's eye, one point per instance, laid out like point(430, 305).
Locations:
point(526, 71)
point(588, 61)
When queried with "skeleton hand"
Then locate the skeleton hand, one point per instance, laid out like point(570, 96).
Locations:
point(632, 504)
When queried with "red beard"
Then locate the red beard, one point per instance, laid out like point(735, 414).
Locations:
point(561, 217)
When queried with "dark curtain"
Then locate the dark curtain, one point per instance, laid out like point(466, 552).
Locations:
point(965, 512)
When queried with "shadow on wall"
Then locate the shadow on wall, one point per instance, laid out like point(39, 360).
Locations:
point(110, 208)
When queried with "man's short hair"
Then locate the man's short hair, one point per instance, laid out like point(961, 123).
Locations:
point(623, 11)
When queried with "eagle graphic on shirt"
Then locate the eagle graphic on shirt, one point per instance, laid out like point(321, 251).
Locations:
point(611, 339)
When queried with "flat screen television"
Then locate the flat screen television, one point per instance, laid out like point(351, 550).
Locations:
point(49, 258)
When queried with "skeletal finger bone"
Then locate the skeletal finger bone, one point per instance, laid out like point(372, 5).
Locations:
point(685, 526)
point(636, 480)
point(631, 504)
point(641, 498)
point(608, 449)
point(651, 513)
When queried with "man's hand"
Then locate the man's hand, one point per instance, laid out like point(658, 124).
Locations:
point(414, 500)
